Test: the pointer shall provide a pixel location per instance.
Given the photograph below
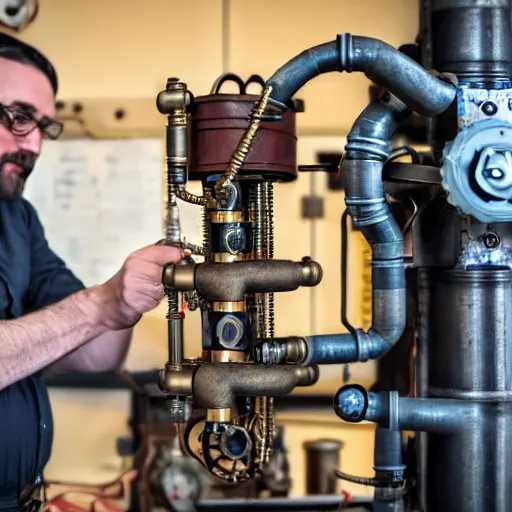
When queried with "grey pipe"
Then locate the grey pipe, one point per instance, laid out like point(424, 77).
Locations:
point(366, 151)
point(379, 61)
point(435, 415)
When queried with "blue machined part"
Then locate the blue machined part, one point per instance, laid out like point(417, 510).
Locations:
point(351, 403)
point(476, 254)
point(477, 102)
point(480, 155)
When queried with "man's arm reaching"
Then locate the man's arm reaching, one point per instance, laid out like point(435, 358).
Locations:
point(106, 352)
point(37, 340)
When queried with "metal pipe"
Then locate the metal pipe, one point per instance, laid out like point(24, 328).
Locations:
point(380, 62)
point(367, 149)
point(434, 415)
point(175, 329)
point(388, 466)
point(472, 37)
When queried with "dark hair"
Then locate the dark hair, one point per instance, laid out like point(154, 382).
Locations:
point(14, 49)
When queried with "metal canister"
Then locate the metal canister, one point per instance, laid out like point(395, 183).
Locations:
point(322, 458)
point(219, 121)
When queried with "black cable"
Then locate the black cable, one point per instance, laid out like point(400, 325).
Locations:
point(404, 151)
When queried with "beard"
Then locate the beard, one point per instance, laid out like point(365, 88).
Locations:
point(12, 179)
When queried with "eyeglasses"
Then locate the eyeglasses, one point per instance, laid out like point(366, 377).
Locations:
point(20, 122)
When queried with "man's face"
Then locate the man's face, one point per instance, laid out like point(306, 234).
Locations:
point(21, 85)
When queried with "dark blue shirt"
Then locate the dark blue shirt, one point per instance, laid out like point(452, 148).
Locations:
point(31, 277)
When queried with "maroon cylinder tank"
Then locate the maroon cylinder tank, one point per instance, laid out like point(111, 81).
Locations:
point(217, 124)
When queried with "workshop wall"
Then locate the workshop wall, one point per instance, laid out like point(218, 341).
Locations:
point(118, 54)
point(125, 49)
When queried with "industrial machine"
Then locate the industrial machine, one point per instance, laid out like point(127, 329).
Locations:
point(231, 427)
point(453, 291)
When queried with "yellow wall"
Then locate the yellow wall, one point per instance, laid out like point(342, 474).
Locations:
point(118, 53)
point(126, 49)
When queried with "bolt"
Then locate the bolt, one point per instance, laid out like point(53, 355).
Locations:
point(489, 108)
point(491, 240)
point(177, 410)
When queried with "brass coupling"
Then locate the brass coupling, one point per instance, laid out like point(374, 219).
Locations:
point(177, 380)
point(226, 216)
point(180, 277)
point(174, 99)
point(222, 415)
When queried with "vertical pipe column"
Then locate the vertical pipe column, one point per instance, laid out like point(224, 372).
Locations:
point(469, 332)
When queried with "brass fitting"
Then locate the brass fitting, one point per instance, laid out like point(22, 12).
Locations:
point(228, 307)
point(180, 277)
point(224, 216)
point(311, 272)
point(227, 257)
point(175, 99)
point(227, 356)
point(222, 415)
point(307, 375)
point(177, 380)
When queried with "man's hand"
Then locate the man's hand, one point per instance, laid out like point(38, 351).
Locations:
point(136, 288)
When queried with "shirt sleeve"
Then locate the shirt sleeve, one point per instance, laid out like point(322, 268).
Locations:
point(50, 279)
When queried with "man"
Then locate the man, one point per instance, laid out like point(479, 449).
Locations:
point(47, 318)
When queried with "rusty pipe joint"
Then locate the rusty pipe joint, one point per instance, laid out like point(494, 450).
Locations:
point(230, 282)
point(216, 385)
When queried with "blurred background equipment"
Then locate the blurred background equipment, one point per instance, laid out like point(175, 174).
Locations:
point(322, 459)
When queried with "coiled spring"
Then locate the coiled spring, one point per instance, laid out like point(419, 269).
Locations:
point(244, 146)
point(186, 196)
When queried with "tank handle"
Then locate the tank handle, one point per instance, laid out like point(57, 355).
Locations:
point(225, 78)
point(231, 77)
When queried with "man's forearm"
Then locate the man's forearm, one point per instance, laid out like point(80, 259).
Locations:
point(106, 352)
point(35, 341)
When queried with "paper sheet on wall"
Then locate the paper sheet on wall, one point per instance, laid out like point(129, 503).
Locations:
point(101, 200)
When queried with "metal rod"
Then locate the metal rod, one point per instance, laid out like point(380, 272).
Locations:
point(344, 263)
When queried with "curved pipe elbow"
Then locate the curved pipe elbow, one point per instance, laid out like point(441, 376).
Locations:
point(290, 77)
point(382, 63)
point(379, 343)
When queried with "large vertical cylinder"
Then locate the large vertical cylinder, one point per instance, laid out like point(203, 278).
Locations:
point(470, 358)
point(472, 37)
